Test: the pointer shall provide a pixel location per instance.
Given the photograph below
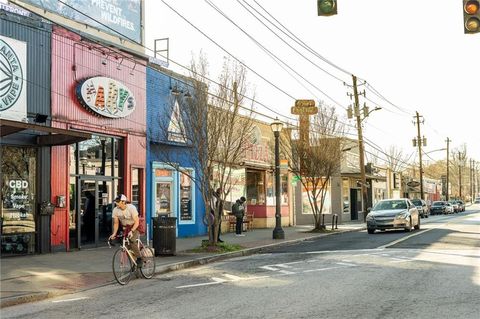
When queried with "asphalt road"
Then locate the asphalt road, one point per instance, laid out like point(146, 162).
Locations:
point(430, 273)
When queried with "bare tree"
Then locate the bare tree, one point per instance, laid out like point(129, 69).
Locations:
point(215, 126)
point(396, 159)
point(316, 160)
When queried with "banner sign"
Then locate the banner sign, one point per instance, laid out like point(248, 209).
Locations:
point(123, 16)
point(13, 84)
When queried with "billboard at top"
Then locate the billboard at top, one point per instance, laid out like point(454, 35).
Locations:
point(123, 16)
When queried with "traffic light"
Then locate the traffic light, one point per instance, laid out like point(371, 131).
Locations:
point(327, 7)
point(471, 16)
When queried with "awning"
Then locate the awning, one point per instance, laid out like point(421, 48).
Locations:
point(46, 135)
point(367, 176)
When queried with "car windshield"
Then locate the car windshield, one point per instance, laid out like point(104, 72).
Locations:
point(438, 204)
point(417, 202)
point(390, 204)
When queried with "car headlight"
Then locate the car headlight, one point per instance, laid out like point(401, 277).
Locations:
point(401, 215)
point(370, 217)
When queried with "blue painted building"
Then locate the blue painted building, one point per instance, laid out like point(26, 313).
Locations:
point(170, 190)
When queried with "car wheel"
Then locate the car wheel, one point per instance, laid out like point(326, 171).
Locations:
point(417, 226)
point(370, 230)
point(409, 228)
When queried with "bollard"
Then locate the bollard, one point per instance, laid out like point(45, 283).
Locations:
point(335, 221)
point(323, 220)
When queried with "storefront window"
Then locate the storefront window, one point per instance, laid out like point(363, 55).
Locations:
point(284, 189)
point(346, 195)
point(163, 199)
point(256, 187)
point(18, 200)
point(137, 177)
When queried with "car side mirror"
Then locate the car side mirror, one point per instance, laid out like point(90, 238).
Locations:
point(369, 209)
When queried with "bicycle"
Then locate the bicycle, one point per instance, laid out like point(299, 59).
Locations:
point(124, 263)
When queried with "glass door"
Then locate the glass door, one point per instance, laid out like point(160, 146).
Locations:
point(96, 204)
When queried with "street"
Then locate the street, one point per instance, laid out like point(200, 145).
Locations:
point(433, 272)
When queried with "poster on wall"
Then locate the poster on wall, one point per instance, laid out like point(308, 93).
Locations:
point(185, 197)
point(13, 84)
point(122, 16)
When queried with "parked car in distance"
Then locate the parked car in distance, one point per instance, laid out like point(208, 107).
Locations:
point(477, 200)
point(449, 208)
point(422, 207)
point(454, 205)
point(438, 207)
point(461, 205)
point(393, 213)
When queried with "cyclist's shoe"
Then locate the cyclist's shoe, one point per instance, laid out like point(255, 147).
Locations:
point(139, 262)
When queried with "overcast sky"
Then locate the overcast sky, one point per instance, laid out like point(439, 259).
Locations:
point(413, 54)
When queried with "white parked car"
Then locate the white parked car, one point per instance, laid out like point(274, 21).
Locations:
point(449, 208)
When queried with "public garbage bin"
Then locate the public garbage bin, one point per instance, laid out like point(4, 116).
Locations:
point(164, 235)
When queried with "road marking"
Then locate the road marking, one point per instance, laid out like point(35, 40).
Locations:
point(218, 280)
point(269, 268)
point(347, 264)
point(67, 300)
point(233, 277)
point(286, 272)
point(405, 238)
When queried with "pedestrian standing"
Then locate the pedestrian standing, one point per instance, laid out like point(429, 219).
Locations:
point(238, 209)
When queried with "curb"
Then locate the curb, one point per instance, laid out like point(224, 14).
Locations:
point(39, 296)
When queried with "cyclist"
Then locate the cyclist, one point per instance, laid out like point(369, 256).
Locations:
point(127, 214)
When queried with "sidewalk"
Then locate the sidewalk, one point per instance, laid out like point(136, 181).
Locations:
point(31, 278)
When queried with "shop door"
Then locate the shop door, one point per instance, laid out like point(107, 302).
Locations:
point(353, 204)
point(96, 206)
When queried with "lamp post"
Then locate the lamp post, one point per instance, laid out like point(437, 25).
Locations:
point(278, 232)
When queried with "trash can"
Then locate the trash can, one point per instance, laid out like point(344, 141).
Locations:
point(164, 234)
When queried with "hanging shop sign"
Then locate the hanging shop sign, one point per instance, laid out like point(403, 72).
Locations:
point(13, 68)
point(106, 97)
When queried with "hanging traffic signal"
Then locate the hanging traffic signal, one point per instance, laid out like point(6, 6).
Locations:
point(471, 16)
point(327, 7)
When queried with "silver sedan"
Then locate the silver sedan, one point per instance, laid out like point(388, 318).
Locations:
point(393, 214)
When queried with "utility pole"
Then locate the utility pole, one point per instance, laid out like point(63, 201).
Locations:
point(356, 112)
point(419, 142)
point(448, 165)
point(470, 175)
point(360, 149)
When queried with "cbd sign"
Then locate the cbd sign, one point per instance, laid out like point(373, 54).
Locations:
point(18, 184)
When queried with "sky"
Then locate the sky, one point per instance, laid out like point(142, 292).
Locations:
point(413, 55)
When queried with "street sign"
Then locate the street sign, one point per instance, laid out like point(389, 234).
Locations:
point(304, 107)
point(413, 184)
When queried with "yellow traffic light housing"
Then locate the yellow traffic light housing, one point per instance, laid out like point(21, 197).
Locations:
point(327, 7)
point(471, 16)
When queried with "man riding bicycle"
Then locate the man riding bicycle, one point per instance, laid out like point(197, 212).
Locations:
point(127, 214)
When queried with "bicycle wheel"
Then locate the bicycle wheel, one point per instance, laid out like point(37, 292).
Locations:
point(122, 266)
point(148, 268)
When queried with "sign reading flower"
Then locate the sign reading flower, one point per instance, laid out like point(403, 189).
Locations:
point(106, 97)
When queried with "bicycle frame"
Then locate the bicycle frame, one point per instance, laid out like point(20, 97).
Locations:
point(125, 242)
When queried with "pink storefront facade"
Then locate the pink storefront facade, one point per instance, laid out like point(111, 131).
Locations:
point(86, 176)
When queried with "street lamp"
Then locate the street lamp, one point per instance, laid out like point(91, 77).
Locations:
point(278, 232)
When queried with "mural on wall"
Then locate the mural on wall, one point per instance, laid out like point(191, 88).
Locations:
point(13, 84)
point(105, 96)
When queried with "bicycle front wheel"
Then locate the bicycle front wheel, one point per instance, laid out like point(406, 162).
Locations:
point(122, 266)
point(148, 269)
